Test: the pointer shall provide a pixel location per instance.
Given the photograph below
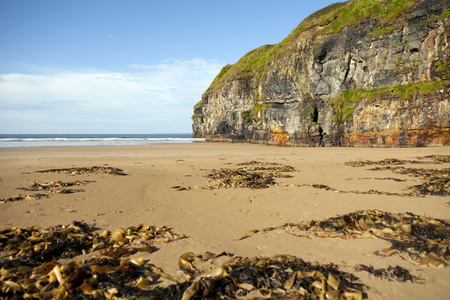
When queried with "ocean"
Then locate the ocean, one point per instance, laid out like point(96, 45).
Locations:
point(40, 140)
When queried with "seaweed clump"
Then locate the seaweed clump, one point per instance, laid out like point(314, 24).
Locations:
point(54, 187)
point(280, 276)
point(86, 170)
point(60, 187)
point(436, 182)
point(420, 239)
point(253, 174)
point(429, 159)
point(390, 273)
point(31, 266)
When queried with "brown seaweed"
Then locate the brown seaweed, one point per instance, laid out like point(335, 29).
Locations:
point(437, 159)
point(390, 273)
point(430, 159)
point(30, 268)
point(61, 187)
point(240, 179)
point(35, 196)
point(97, 278)
point(86, 170)
point(281, 276)
point(253, 174)
point(369, 192)
point(420, 239)
point(436, 182)
point(380, 178)
point(56, 187)
point(33, 245)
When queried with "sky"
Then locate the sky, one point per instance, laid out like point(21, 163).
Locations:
point(129, 66)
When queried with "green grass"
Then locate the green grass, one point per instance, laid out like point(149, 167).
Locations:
point(251, 65)
point(256, 109)
point(444, 15)
point(351, 13)
point(224, 70)
point(344, 103)
point(247, 118)
point(331, 19)
point(442, 66)
point(399, 91)
point(382, 31)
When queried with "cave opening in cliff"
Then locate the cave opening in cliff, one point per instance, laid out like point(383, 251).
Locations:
point(315, 115)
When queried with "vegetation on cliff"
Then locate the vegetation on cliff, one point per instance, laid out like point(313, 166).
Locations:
point(340, 15)
point(344, 103)
point(331, 19)
point(360, 72)
point(399, 91)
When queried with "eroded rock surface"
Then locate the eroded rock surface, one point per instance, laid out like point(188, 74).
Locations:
point(383, 80)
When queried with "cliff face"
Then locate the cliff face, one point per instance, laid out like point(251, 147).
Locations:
point(355, 73)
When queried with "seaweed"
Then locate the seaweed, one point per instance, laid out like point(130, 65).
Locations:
point(86, 170)
point(390, 273)
point(421, 239)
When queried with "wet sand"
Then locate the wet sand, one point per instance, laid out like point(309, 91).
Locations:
point(214, 219)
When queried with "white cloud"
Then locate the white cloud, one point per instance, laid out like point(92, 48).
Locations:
point(148, 99)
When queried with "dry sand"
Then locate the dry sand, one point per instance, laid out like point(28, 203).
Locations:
point(214, 220)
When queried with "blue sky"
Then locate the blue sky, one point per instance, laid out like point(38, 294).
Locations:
point(130, 66)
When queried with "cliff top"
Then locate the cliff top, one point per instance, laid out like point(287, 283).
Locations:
point(331, 19)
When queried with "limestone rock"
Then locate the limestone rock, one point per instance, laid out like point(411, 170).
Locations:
point(380, 80)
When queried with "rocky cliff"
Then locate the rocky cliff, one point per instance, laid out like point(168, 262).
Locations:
point(361, 73)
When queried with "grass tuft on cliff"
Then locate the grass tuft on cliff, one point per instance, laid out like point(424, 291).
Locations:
point(337, 16)
point(399, 91)
point(331, 19)
point(344, 103)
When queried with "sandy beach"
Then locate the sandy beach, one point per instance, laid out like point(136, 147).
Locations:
point(214, 220)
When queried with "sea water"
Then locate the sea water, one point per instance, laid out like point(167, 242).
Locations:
point(39, 140)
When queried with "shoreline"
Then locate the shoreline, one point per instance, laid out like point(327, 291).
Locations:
point(214, 219)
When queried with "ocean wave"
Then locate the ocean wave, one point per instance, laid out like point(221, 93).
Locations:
point(79, 140)
point(95, 139)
